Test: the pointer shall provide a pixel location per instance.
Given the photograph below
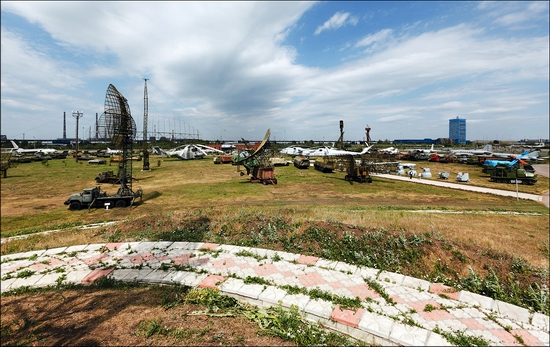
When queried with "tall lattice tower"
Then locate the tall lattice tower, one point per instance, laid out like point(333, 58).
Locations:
point(146, 166)
point(367, 129)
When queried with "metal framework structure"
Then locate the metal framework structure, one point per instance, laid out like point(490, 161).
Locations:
point(116, 123)
point(145, 116)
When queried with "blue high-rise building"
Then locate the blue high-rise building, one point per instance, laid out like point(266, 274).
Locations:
point(457, 130)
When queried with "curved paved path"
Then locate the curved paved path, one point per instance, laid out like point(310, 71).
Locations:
point(387, 303)
point(466, 186)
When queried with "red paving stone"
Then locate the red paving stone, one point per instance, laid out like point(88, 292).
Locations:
point(307, 260)
point(211, 281)
point(211, 246)
point(527, 338)
point(181, 259)
point(96, 259)
point(434, 315)
point(311, 279)
point(136, 259)
point(505, 337)
point(438, 288)
point(148, 256)
point(95, 275)
point(363, 291)
point(265, 270)
point(347, 317)
point(472, 324)
point(223, 263)
point(38, 266)
point(55, 261)
point(397, 299)
point(114, 246)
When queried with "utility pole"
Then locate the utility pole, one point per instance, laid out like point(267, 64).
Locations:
point(146, 166)
point(77, 115)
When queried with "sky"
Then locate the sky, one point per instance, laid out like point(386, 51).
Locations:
point(227, 70)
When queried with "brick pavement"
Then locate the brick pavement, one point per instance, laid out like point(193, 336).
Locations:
point(401, 311)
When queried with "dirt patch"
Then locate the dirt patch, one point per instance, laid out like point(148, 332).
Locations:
point(113, 317)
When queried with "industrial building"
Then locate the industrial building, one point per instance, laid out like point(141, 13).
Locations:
point(457, 130)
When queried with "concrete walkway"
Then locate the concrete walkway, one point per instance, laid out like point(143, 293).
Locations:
point(467, 186)
point(395, 309)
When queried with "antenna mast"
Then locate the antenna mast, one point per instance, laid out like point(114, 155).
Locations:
point(145, 116)
point(77, 115)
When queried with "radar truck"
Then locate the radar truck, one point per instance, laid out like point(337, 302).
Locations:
point(94, 197)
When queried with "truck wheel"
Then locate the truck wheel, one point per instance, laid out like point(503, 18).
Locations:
point(75, 205)
point(120, 203)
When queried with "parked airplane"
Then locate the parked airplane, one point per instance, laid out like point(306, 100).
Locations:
point(331, 151)
point(18, 150)
point(486, 150)
point(113, 151)
point(389, 150)
point(293, 150)
point(423, 151)
point(525, 155)
point(187, 152)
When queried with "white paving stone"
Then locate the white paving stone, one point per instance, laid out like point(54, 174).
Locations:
point(474, 299)
point(391, 277)
point(436, 340)
point(76, 276)
point(48, 280)
point(541, 321)
point(511, 311)
point(541, 335)
point(155, 276)
point(272, 295)
point(54, 251)
point(376, 324)
point(299, 300)
point(320, 308)
point(407, 335)
point(231, 285)
point(6, 284)
point(345, 268)
point(193, 279)
point(416, 283)
point(251, 290)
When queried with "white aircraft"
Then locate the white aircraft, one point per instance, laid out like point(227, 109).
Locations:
point(486, 150)
point(293, 150)
point(187, 152)
point(331, 151)
point(113, 151)
point(525, 155)
point(423, 151)
point(389, 150)
point(18, 150)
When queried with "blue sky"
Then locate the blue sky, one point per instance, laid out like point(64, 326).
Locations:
point(226, 70)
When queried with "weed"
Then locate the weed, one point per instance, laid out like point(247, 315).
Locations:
point(25, 273)
point(256, 280)
point(459, 338)
point(379, 289)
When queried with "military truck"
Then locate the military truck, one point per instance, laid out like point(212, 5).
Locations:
point(512, 174)
point(94, 197)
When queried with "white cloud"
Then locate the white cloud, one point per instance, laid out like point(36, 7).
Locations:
point(337, 20)
point(225, 69)
point(377, 37)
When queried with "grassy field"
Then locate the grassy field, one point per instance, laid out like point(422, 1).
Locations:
point(429, 232)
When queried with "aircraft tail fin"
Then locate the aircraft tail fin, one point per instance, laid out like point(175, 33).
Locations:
point(534, 154)
point(366, 149)
point(15, 146)
point(488, 148)
point(432, 148)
